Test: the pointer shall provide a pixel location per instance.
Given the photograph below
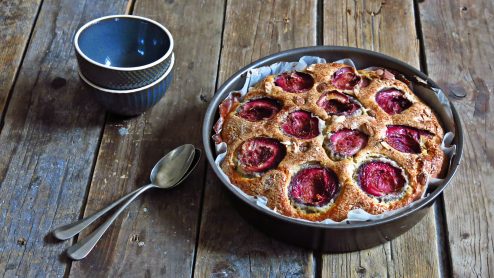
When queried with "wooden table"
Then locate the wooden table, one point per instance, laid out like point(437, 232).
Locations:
point(63, 157)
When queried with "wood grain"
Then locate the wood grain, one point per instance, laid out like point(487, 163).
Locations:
point(156, 235)
point(387, 27)
point(228, 245)
point(16, 22)
point(459, 47)
point(48, 143)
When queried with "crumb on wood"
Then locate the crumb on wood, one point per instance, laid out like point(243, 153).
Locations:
point(123, 131)
point(21, 241)
point(145, 209)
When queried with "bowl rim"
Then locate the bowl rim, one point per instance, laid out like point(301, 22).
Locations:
point(211, 111)
point(113, 91)
point(99, 19)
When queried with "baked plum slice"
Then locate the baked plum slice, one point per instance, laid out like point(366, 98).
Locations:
point(380, 178)
point(294, 82)
point(260, 154)
point(345, 78)
point(314, 186)
point(392, 101)
point(338, 104)
point(405, 139)
point(346, 142)
point(259, 109)
point(301, 124)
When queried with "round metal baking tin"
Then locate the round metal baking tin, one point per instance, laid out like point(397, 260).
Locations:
point(319, 236)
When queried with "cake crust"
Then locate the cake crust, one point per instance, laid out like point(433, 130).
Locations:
point(359, 104)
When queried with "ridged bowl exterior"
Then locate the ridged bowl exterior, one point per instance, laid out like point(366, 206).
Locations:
point(132, 102)
point(121, 80)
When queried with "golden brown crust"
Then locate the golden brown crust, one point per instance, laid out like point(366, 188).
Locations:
point(274, 183)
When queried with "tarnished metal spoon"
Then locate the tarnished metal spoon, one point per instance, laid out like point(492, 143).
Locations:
point(164, 175)
point(167, 173)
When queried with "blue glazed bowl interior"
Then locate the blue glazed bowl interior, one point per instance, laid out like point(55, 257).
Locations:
point(124, 42)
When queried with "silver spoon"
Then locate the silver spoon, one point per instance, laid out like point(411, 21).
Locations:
point(167, 173)
point(68, 231)
point(164, 175)
point(72, 229)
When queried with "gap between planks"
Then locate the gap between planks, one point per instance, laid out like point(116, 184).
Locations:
point(19, 66)
point(443, 245)
point(206, 162)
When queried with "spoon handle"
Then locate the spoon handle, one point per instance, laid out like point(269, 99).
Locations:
point(82, 248)
point(67, 231)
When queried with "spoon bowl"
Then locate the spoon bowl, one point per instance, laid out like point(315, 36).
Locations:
point(165, 174)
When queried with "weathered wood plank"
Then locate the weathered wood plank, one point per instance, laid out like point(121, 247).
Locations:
point(156, 235)
point(228, 245)
point(387, 27)
point(16, 22)
point(49, 141)
point(459, 47)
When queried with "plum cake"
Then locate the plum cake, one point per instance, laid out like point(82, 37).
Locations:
point(323, 141)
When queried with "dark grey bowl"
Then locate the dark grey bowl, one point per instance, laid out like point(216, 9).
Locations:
point(327, 237)
point(123, 52)
point(132, 102)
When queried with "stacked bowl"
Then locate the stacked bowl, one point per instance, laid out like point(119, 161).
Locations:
point(126, 60)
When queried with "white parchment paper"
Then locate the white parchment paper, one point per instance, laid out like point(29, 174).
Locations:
point(434, 97)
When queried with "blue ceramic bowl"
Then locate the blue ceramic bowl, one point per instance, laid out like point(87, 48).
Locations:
point(123, 52)
point(132, 102)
